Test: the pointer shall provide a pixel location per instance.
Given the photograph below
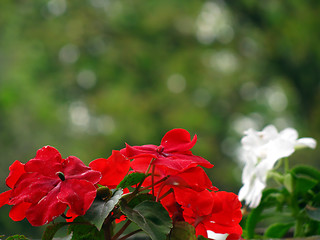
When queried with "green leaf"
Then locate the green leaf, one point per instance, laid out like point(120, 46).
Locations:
point(182, 231)
point(17, 237)
point(313, 213)
point(139, 199)
point(51, 230)
point(307, 171)
point(99, 210)
point(151, 217)
point(131, 179)
point(85, 232)
point(278, 230)
point(269, 198)
point(303, 184)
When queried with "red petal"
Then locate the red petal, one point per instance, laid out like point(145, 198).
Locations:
point(113, 169)
point(194, 178)
point(4, 197)
point(201, 230)
point(16, 170)
point(18, 212)
point(31, 187)
point(181, 162)
point(131, 152)
point(47, 162)
point(74, 168)
point(78, 194)
point(141, 162)
point(225, 220)
point(178, 140)
point(200, 202)
point(47, 209)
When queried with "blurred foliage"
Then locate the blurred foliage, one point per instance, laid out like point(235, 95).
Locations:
point(88, 76)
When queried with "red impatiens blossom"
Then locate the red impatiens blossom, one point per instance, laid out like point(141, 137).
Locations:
point(173, 153)
point(219, 212)
point(50, 184)
point(113, 169)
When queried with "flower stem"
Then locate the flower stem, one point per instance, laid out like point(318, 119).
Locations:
point(156, 183)
point(286, 164)
point(124, 227)
point(130, 234)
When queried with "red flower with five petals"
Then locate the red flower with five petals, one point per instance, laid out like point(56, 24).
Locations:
point(51, 183)
point(173, 153)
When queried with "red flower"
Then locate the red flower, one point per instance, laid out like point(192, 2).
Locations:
point(216, 211)
point(113, 169)
point(173, 153)
point(51, 183)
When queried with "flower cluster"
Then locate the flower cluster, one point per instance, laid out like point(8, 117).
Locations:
point(260, 152)
point(44, 187)
point(288, 205)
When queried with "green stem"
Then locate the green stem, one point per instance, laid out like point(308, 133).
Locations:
point(156, 183)
point(130, 234)
point(286, 164)
point(298, 228)
point(124, 227)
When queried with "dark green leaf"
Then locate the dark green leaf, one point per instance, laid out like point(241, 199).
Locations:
point(85, 232)
point(100, 209)
point(307, 171)
point(151, 217)
point(278, 230)
point(182, 231)
point(51, 230)
point(139, 199)
point(131, 179)
point(303, 184)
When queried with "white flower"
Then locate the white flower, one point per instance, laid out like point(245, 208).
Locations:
point(260, 152)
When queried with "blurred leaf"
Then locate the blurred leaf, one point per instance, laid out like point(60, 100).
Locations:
point(277, 230)
point(151, 217)
point(303, 184)
point(313, 213)
point(269, 198)
point(308, 171)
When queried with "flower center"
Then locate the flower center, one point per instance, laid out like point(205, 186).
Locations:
point(61, 176)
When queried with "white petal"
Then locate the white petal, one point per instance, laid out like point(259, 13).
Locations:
point(289, 134)
point(306, 142)
point(217, 236)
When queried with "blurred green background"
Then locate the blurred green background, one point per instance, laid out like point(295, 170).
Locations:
point(87, 76)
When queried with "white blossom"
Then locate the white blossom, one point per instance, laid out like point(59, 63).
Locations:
point(260, 151)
